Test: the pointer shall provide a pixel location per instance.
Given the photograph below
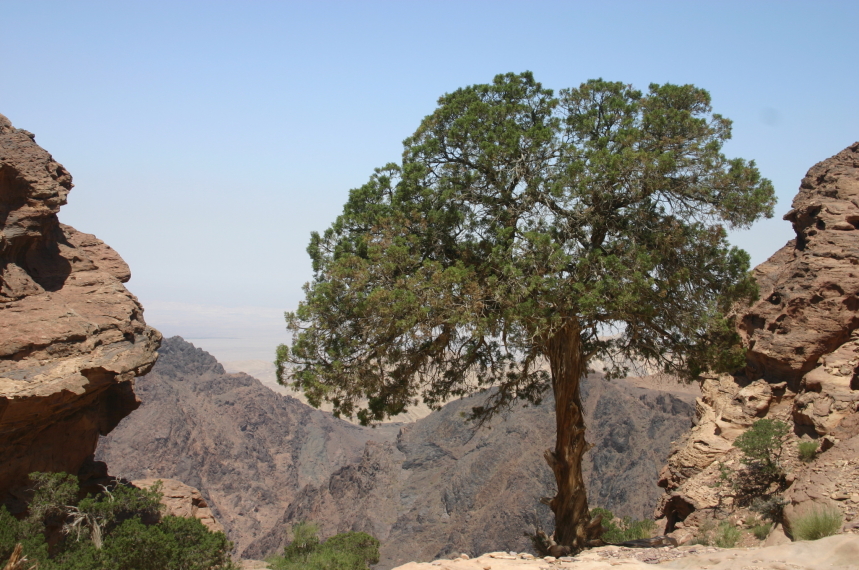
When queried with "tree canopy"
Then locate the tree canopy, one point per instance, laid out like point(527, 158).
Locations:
point(521, 228)
point(513, 211)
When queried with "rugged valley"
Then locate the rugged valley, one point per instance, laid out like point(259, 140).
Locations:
point(249, 450)
point(263, 460)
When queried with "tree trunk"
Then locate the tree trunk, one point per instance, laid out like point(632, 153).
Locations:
point(573, 525)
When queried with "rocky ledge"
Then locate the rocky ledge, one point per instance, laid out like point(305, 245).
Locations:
point(72, 338)
point(834, 553)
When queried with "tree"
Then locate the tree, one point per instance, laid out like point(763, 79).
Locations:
point(522, 228)
point(120, 527)
point(761, 445)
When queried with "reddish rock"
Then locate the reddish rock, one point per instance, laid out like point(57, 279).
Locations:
point(802, 361)
point(809, 290)
point(181, 500)
point(72, 338)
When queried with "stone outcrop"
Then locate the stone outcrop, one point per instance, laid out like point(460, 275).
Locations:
point(802, 365)
point(181, 500)
point(808, 290)
point(72, 338)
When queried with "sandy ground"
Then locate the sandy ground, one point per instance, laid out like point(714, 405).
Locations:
point(840, 552)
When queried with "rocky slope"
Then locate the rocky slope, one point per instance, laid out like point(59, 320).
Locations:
point(444, 487)
point(72, 338)
point(264, 460)
point(802, 364)
point(247, 449)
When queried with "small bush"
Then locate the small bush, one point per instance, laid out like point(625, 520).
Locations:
point(727, 535)
point(816, 523)
point(344, 551)
point(761, 531)
point(761, 445)
point(807, 450)
point(705, 533)
point(120, 528)
point(770, 508)
point(304, 542)
point(621, 530)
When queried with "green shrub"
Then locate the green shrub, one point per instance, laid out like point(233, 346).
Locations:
point(704, 536)
point(761, 531)
point(621, 530)
point(344, 551)
point(727, 535)
point(118, 529)
point(807, 450)
point(770, 507)
point(761, 445)
point(304, 542)
point(816, 523)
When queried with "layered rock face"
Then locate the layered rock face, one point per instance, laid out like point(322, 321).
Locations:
point(264, 461)
point(802, 363)
point(72, 338)
point(181, 500)
point(809, 288)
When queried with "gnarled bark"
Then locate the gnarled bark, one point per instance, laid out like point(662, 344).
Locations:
point(573, 525)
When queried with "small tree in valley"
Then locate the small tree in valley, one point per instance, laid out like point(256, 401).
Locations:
point(521, 228)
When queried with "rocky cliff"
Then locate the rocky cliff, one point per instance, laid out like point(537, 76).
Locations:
point(802, 364)
point(72, 338)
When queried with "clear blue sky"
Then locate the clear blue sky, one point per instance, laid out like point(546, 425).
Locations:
point(208, 139)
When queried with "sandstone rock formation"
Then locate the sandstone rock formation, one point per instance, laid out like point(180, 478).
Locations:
point(72, 338)
point(445, 487)
point(249, 450)
point(181, 500)
point(802, 363)
point(832, 553)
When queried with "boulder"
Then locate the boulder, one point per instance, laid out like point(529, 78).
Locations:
point(181, 500)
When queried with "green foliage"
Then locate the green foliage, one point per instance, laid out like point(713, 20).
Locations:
point(304, 541)
point(13, 531)
point(344, 551)
point(705, 533)
point(761, 531)
point(116, 529)
point(53, 492)
point(807, 450)
point(817, 523)
point(727, 535)
point(621, 530)
point(770, 507)
point(515, 214)
point(723, 535)
point(762, 444)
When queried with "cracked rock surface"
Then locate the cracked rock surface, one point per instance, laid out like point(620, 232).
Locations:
point(802, 367)
point(72, 337)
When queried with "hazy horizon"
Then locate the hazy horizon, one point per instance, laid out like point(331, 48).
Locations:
point(208, 139)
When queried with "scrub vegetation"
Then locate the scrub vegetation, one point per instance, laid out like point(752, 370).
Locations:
point(120, 527)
